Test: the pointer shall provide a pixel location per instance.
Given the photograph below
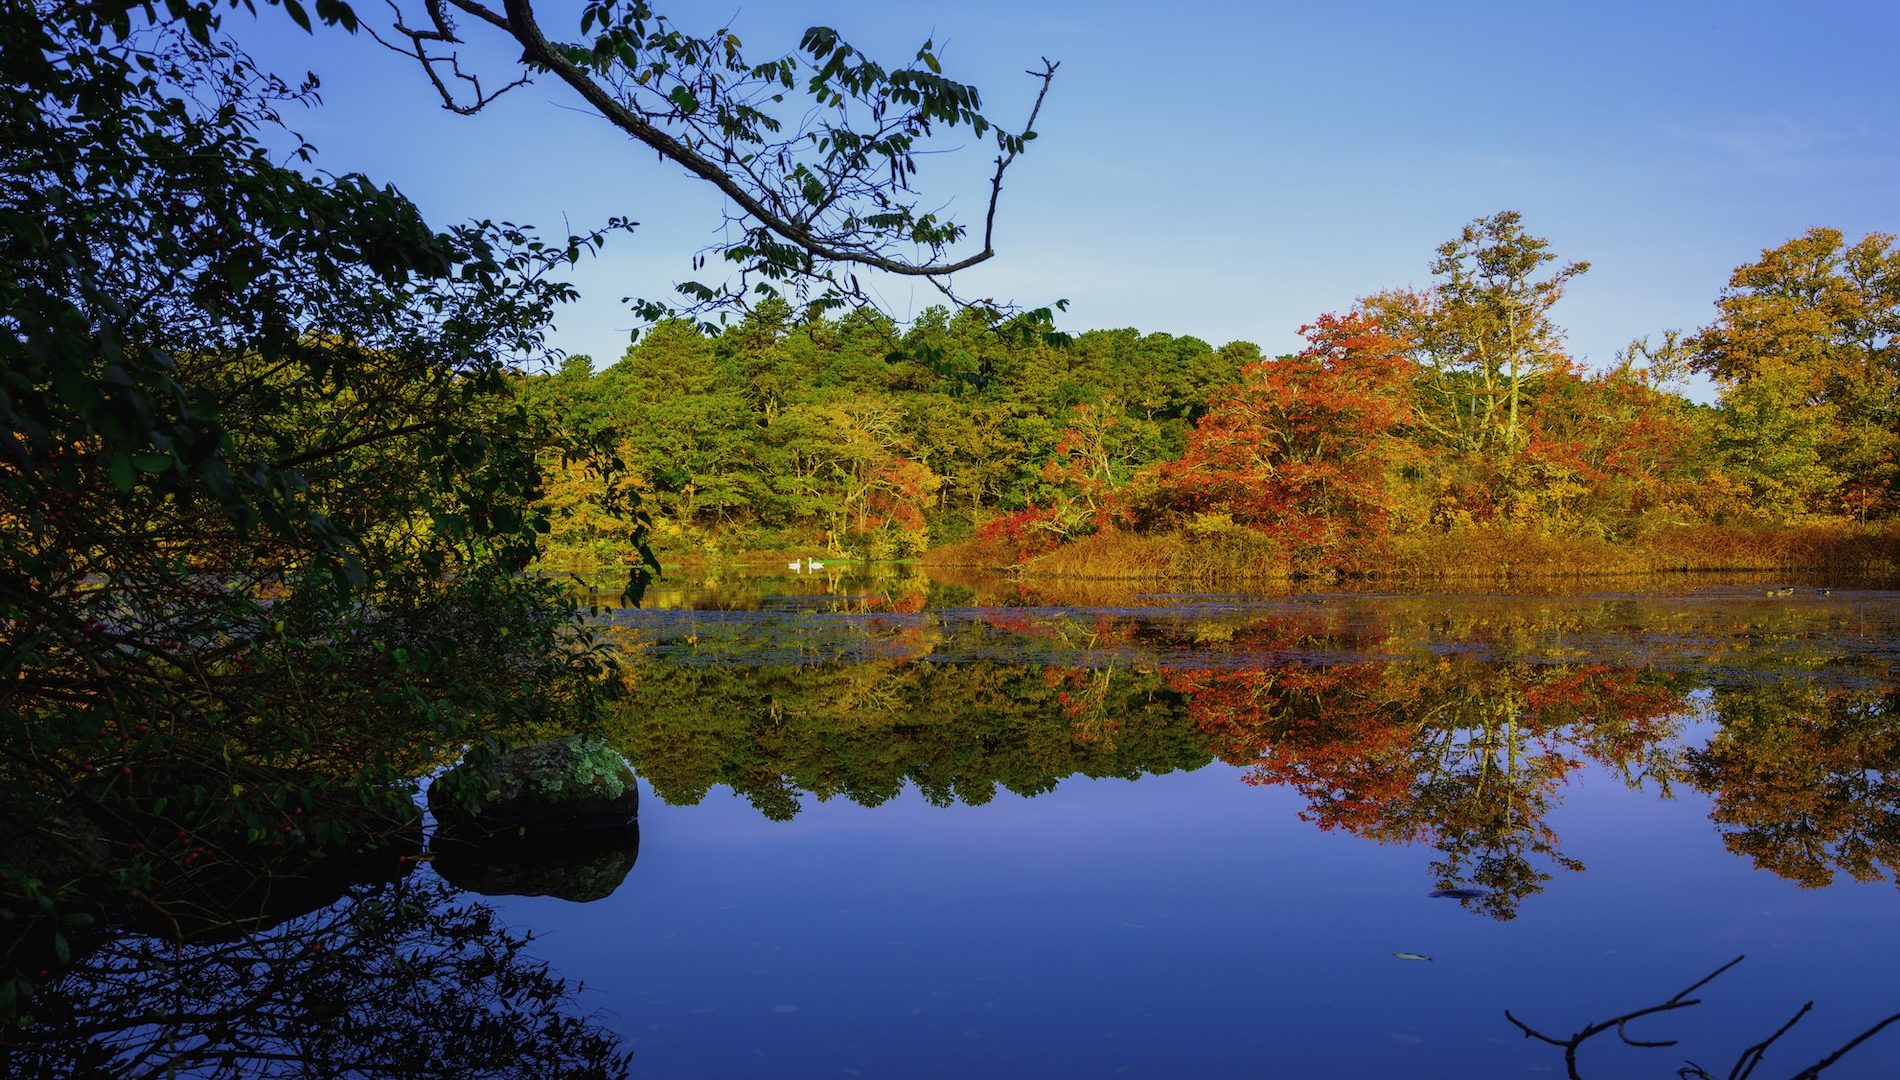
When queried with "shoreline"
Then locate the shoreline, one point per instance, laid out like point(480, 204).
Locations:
point(1468, 556)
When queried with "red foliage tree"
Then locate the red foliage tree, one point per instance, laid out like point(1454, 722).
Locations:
point(1292, 450)
point(1611, 450)
point(1019, 536)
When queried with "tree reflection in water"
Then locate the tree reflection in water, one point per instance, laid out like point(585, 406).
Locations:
point(1806, 779)
point(408, 979)
point(1403, 725)
point(1464, 755)
point(1381, 737)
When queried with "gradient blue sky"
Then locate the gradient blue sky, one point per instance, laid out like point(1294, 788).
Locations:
point(1231, 170)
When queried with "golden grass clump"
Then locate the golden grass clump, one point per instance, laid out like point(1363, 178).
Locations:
point(1229, 555)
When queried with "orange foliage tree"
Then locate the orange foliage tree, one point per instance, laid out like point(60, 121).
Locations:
point(1608, 453)
point(1296, 449)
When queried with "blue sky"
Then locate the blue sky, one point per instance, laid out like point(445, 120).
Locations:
point(1231, 170)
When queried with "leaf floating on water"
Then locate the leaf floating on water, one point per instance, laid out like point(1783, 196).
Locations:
point(1459, 894)
point(1411, 956)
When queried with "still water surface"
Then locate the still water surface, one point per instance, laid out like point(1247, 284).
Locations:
point(899, 827)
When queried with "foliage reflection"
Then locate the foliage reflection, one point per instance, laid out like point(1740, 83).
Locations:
point(1379, 734)
point(1806, 779)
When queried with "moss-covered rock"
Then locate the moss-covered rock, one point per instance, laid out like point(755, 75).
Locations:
point(576, 783)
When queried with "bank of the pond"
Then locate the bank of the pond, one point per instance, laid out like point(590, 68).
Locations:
point(1465, 554)
point(696, 561)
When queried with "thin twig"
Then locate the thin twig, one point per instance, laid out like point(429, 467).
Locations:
point(1745, 1064)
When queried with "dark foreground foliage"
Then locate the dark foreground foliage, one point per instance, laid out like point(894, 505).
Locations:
point(267, 478)
point(264, 483)
point(407, 979)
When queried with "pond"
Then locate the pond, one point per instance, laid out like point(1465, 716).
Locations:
point(904, 826)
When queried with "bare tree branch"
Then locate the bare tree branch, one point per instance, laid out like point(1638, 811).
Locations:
point(1745, 1064)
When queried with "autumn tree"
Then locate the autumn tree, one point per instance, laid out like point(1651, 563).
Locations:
point(882, 492)
point(1806, 351)
point(1295, 449)
point(1482, 333)
point(1609, 454)
point(1100, 448)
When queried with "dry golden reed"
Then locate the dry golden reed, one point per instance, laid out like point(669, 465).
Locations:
point(1462, 554)
point(1510, 553)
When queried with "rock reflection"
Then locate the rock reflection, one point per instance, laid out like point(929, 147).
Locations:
point(581, 867)
point(408, 979)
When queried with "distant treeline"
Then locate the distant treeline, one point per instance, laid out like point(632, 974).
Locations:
point(1451, 411)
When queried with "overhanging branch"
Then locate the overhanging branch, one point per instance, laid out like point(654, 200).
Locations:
point(867, 226)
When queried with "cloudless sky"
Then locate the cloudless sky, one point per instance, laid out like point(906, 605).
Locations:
point(1231, 170)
